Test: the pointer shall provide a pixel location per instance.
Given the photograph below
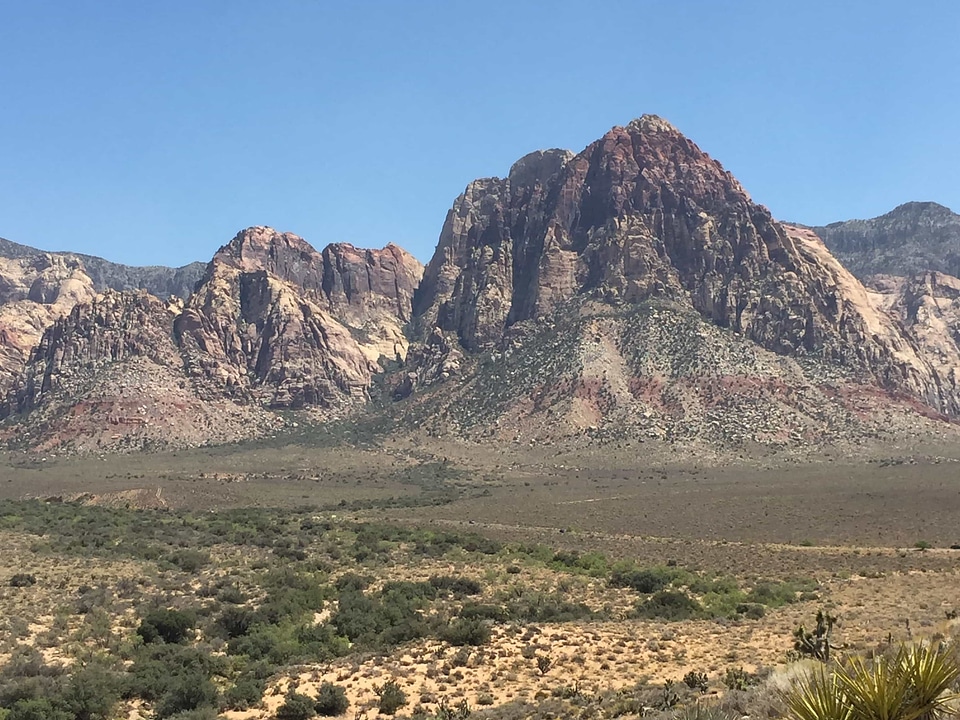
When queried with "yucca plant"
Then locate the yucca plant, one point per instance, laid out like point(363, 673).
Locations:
point(914, 684)
point(931, 672)
point(875, 691)
point(817, 696)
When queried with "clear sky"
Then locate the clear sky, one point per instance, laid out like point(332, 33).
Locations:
point(151, 132)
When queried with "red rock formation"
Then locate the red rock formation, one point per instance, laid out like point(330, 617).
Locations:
point(644, 214)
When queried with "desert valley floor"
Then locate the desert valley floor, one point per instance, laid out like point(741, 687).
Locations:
point(867, 538)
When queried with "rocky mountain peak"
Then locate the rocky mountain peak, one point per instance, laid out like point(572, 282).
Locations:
point(911, 239)
point(643, 217)
point(651, 124)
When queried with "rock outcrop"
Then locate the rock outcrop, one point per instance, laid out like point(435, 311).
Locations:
point(277, 321)
point(35, 291)
point(109, 376)
point(912, 239)
point(272, 324)
point(644, 218)
point(105, 275)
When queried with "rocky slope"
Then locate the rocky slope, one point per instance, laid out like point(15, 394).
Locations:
point(276, 321)
point(105, 275)
point(914, 238)
point(630, 292)
point(643, 224)
point(35, 290)
point(272, 324)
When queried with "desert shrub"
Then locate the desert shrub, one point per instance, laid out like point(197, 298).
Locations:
point(751, 611)
point(392, 697)
point(773, 594)
point(352, 582)
point(158, 667)
point(244, 693)
point(296, 707)
point(669, 605)
point(592, 563)
point(290, 595)
point(535, 607)
point(188, 560)
point(331, 700)
point(476, 611)
point(466, 632)
point(91, 693)
point(456, 586)
point(20, 580)
point(234, 622)
point(231, 594)
point(187, 692)
point(170, 626)
point(390, 618)
point(646, 580)
point(204, 713)
point(26, 662)
point(38, 709)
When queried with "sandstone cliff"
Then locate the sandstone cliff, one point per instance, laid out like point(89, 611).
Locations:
point(35, 290)
point(912, 239)
point(272, 324)
point(275, 320)
point(643, 221)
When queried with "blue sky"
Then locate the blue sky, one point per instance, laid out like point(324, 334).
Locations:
point(152, 132)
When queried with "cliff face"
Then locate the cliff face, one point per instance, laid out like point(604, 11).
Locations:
point(644, 214)
point(272, 324)
point(912, 239)
point(105, 275)
point(35, 290)
point(276, 320)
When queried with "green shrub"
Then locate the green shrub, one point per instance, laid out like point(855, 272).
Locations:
point(296, 707)
point(188, 692)
point(669, 605)
point(37, 709)
point(91, 693)
point(467, 632)
point(244, 693)
point(331, 700)
point(392, 697)
point(170, 626)
point(20, 580)
point(456, 586)
point(475, 611)
point(188, 560)
point(646, 581)
point(773, 594)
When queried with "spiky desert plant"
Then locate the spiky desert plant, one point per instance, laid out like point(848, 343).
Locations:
point(875, 691)
point(914, 684)
point(817, 695)
point(931, 672)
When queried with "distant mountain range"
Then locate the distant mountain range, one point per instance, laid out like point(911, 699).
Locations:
point(632, 292)
point(914, 238)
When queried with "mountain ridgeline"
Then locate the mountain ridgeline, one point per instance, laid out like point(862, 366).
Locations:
point(632, 290)
point(912, 239)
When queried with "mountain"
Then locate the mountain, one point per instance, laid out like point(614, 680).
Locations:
point(636, 289)
point(105, 275)
point(631, 292)
point(911, 239)
point(37, 288)
point(272, 324)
